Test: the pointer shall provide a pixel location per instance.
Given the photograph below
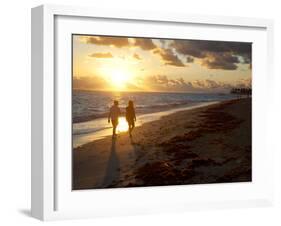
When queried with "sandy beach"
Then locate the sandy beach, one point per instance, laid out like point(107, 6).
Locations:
point(204, 145)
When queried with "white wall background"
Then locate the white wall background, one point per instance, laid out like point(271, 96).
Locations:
point(15, 112)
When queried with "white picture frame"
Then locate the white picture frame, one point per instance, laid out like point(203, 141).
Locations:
point(46, 165)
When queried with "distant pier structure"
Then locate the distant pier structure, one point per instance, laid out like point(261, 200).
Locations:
point(242, 91)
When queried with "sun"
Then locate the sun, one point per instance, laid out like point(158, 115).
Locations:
point(119, 78)
point(118, 75)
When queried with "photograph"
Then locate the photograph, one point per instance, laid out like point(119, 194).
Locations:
point(150, 111)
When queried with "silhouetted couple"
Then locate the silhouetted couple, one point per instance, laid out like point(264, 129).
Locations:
point(115, 113)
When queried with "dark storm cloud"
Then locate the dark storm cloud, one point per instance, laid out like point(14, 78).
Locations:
point(168, 57)
point(145, 43)
point(215, 54)
point(107, 41)
point(101, 55)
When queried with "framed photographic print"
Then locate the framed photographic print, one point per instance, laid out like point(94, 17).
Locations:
point(140, 112)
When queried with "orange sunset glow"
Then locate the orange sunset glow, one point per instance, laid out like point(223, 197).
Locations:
point(145, 64)
point(160, 112)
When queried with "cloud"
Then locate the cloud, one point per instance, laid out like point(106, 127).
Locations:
point(101, 55)
point(169, 58)
point(211, 54)
point(215, 54)
point(224, 61)
point(210, 84)
point(119, 42)
point(244, 83)
point(136, 56)
point(89, 83)
point(189, 59)
point(106, 41)
point(162, 83)
point(144, 43)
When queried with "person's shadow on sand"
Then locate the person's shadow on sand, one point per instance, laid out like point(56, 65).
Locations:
point(112, 170)
point(135, 147)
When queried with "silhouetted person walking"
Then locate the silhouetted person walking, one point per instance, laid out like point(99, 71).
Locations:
point(130, 116)
point(113, 115)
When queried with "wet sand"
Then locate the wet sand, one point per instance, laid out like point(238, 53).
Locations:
point(204, 145)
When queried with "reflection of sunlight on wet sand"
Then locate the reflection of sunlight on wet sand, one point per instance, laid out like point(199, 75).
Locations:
point(122, 125)
point(83, 138)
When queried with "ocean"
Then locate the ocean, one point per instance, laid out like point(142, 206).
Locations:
point(90, 109)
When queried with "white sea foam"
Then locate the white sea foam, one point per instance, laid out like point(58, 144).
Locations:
point(89, 105)
point(96, 129)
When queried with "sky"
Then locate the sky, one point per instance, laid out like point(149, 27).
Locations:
point(160, 65)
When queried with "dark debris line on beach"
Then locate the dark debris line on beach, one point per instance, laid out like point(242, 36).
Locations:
point(183, 165)
point(207, 145)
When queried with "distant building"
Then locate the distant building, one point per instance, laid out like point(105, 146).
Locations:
point(241, 91)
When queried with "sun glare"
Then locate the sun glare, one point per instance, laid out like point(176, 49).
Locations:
point(123, 125)
point(119, 78)
point(118, 75)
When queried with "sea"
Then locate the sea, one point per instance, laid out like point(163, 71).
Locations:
point(90, 109)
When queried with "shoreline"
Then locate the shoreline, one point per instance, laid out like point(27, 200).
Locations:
point(89, 131)
point(210, 144)
point(89, 106)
